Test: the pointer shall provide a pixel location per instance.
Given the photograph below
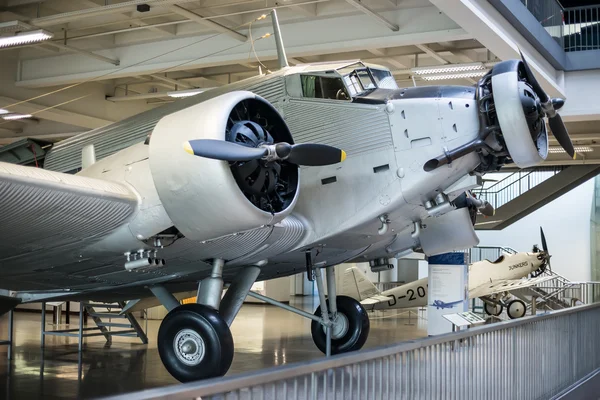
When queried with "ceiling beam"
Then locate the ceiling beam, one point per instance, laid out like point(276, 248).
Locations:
point(129, 6)
point(394, 62)
point(377, 52)
point(84, 52)
point(433, 54)
point(308, 10)
point(206, 22)
point(135, 97)
point(168, 30)
point(359, 5)
point(213, 82)
point(54, 114)
point(174, 82)
point(10, 131)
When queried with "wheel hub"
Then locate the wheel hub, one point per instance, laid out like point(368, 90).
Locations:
point(189, 347)
point(339, 326)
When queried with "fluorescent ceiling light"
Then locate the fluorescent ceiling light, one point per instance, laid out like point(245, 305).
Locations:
point(25, 38)
point(14, 26)
point(11, 117)
point(578, 149)
point(443, 77)
point(185, 93)
point(441, 69)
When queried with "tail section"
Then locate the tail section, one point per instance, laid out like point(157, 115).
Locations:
point(357, 285)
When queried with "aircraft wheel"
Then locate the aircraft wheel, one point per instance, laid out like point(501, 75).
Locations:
point(516, 309)
point(493, 309)
point(194, 343)
point(350, 331)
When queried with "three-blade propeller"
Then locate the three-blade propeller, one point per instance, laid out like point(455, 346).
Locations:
point(550, 106)
point(308, 154)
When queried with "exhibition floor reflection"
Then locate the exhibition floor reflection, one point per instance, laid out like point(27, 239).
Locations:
point(265, 336)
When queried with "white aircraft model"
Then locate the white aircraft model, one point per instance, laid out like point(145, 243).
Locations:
point(490, 281)
point(213, 190)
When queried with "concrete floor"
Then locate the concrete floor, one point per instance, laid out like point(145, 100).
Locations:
point(264, 336)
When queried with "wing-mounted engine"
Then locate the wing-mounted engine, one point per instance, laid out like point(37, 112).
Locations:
point(512, 107)
point(208, 198)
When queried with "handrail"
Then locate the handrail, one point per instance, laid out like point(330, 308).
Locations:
point(277, 374)
point(516, 184)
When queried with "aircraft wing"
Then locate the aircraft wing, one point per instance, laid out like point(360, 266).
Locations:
point(43, 209)
point(371, 301)
point(506, 285)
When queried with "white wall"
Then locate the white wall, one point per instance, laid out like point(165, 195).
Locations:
point(566, 223)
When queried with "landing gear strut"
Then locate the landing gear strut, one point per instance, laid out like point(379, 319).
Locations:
point(194, 340)
point(344, 324)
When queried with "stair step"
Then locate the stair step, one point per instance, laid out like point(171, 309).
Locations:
point(111, 324)
point(131, 333)
point(107, 315)
point(104, 305)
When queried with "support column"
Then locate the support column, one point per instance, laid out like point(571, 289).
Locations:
point(211, 289)
point(43, 330)
point(81, 307)
point(10, 332)
point(237, 292)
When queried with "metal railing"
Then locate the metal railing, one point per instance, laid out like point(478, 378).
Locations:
point(515, 185)
point(581, 30)
point(487, 362)
point(550, 14)
point(491, 253)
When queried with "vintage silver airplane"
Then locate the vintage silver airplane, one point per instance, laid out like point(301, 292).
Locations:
point(212, 190)
point(492, 281)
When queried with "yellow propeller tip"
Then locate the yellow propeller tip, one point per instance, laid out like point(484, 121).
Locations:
point(188, 148)
point(574, 156)
point(343, 156)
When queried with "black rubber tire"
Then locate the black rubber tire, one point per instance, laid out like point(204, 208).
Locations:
point(495, 314)
point(358, 327)
point(214, 331)
point(515, 316)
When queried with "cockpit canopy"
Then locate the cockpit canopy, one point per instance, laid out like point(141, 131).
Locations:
point(345, 82)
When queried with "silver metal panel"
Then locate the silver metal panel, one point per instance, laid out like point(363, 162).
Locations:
point(66, 155)
point(227, 247)
point(43, 209)
point(285, 235)
point(365, 128)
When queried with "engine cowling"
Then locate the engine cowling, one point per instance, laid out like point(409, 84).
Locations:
point(520, 114)
point(208, 198)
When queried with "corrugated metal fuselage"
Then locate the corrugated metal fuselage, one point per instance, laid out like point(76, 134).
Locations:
point(338, 209)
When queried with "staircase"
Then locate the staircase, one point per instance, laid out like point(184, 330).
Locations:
point(111, 321)
point(553, 294)
point(109, 318)
point(522, 192)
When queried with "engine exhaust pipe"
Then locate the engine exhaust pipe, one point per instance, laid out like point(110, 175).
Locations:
point(145, 263)
point(137, 264)
point(454, 154)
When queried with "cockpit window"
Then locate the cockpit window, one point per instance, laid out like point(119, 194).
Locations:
point(499, 260)
point(384, 79)
point(321, 87)
point(359, 81)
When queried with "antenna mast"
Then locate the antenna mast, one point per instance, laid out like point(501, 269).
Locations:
point(282, 58)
